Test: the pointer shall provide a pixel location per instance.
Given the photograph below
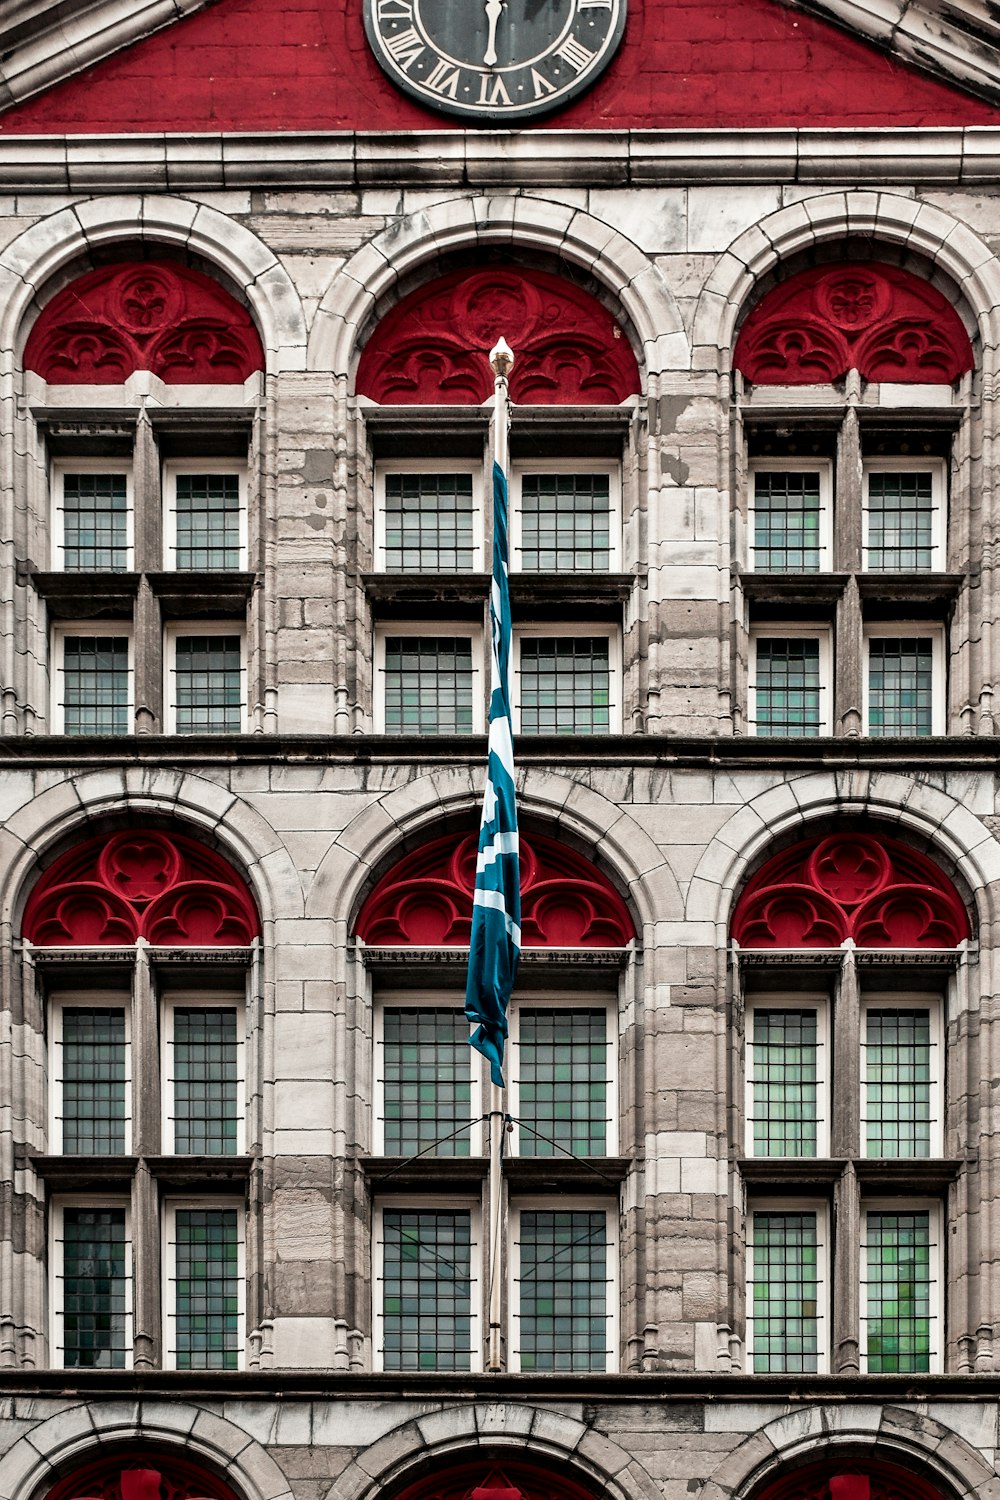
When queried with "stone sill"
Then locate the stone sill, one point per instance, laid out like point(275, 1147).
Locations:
point(201, 1173)
point(595, 596)
point(802, 1175)
point(522, 1174)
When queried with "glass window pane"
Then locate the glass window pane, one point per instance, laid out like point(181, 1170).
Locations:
point(898, 1082)
point(898, 1292)
point(788, 688)
point(786, 521)
point(205, 1064)
point(93, 1081)
point(562, 1062)
point(785, 1293)
point(563, 1286)
point(784, 1057)
point(566, 523)
point(428, 684)
point(206, 1289)
point(94, 1288)
point(565, 685)
point(900, 686)
point(429, 522)
point(95, 684)
point(207, 519)
point(95, 522)
point(900, 521)
point(207, 684)
point(427, 1289)
point(427, 1085)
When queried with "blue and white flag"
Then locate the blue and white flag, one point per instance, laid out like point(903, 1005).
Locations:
point(495, 944)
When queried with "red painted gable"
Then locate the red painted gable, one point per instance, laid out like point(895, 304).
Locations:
point(304, 65)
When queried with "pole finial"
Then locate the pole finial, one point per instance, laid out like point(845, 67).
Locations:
point(501, 358)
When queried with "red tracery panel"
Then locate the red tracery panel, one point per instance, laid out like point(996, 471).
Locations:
point(851, 885)
point(162, 887)
point(432, 347)
point(141, 1476)
point(867, 1479)
point(425, 901)
point(884, 322)
point(146, 315)
point(482, 1480)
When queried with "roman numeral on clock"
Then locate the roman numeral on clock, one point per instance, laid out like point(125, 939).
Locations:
point(405, 48)
point(443, 78)
point(574, 54)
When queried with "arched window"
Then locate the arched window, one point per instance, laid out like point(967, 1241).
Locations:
point(562, 1073)
point(141, 942)
point(862, 1478)
point(569, 567)
point(846, 946)
point(853, 382)
point(146, 1474)
point(141, 515)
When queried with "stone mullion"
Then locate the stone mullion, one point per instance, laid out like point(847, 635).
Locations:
point(984, 664)
point(961, 1080)
point(965, 505)
point(633, 1239)
point(354, 686)
point(844, 1258)
point(848, 660)
point(262, 691)
point(987, 1332)
point(844, 1071)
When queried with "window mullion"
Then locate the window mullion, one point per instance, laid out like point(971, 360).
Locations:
point(846, 1280)
point(848, 496)
point(846, 1063)
point(145, 1059)
point(147, 1351)
point(148, 661)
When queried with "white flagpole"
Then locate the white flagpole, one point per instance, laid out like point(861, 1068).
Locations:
point(501, 362)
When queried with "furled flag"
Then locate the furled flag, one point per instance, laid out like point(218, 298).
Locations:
point(495, 944)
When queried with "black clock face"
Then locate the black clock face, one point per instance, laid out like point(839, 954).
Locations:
point(494, 60)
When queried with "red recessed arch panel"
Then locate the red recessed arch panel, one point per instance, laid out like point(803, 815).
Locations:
point(141, 1476)
point(425, 901)
point(163, 887)
point(513, 1479)
point(431, 348)
point(144, 315)
point(874, 890)
point(865, 1479)
point(887, 323)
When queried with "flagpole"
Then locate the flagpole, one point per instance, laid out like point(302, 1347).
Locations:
point(501, 361)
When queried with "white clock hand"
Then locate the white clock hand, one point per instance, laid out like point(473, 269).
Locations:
point(494, 10)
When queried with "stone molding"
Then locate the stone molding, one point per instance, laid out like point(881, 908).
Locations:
point(895, 220)
point(41, 1457)
point(957, 839)
point(370, 279)
point(944, 156)
point(35, 259)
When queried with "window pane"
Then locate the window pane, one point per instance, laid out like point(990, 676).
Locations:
point(898, 1083)
point(785, 1053)
point(566, 523)
point(205, 1081)
point(564, 1290)
point(207, 684)
point(562, 1058)
point(900, 521)
point(565, 685)
point(429, 522)
point(428, 685)
point(206, 1289)
point(785, 1293)
point(95, 684)
point(93, 1081)
point(207, 518)
point(900, 686)
point(94, 1288)
point(786, 522)
point(898, 1292)
point(788, 687)
point(95, 522)
point(427, 1289)
point(427, 1085)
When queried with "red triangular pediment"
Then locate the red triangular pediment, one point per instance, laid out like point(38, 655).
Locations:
point(251, 65)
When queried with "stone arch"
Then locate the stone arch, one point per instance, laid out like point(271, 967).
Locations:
point(39, 1458)
point(384, 829)
point(958, 838)
point(524, 222)
point(841, 1432)
point(37, 255)
point(48, 822)
point(490, 1428)
point(889, 217)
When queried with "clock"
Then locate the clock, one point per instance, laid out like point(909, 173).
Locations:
point(494, 60)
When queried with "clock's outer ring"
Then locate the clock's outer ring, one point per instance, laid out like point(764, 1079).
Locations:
point(482, 113)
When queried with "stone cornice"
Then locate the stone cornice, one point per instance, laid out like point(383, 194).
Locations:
point(43, 42)
point(473, 160)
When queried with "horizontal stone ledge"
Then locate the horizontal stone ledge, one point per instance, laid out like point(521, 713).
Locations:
point(472, 160)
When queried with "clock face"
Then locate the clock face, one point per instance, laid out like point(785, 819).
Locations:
point(494, 60)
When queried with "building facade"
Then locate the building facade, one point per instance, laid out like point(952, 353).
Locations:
point(252, 259)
